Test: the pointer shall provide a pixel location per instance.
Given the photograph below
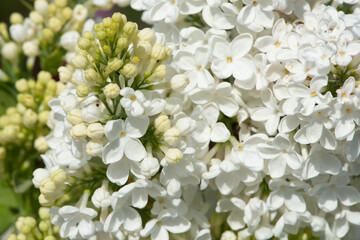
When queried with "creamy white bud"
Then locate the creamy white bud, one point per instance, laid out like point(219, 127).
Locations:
point(42, 7)
point(69, 40)
point(18, 32)
point(158, 52)
point(36, 17)
point(31, 48)
point(101, 198)
point(146, 34)
point(228, 235)
point(83, 90)
point(94, 148)
point(65, 74)
point(30, 118)
point(179, 82)
point(40, 174)
point(78, 131)
point(41, 145)
point(69, 102)
point(80, 13)
point(47, 186)
point(80, 61)
point(129, 70)
point(162, 123)
point(21, 85)
point(74, 116)
point(91, 113)
point(54, 24)
point(173, 156)
point(171, 136)
point(149, 166)
point(58, 177)
point(95, 130)
point(45, 200)
point(143, 49)
point(10, 51)
point(112, 90)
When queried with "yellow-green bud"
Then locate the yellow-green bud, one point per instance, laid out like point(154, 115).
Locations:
point(50, 237)
point(89, 35)
point(158, 52)
point(10, 132)
point(20, 108)
point(60, 3)
point(112, 90)
point(91, 75)
point(21, 236)
point(54, 24)
point(80, 61)
point(107, 22)
point(45, 201)
point(101, 35)
point(130, 28)
point(115, 64)
point(36, 17)
point(16, 18)
point(44, 213)
point(84, 43)
point(43, 226)
point(44, 76)
point(122, 42)
point(21, 85)
point(58, 177)
point(119, 18)
point(67, 13)
point(26, 99)
point(83, 90)
point(12, 237)
point(129, 70)
point(74, 116)
point(43, 117)
point(162, 123)
point(47, 34)
point(78, 131)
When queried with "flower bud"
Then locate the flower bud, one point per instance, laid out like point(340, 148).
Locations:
point(158, 52)
point(58, 177)
point(16, 18)
point(84, 43)
point(10, 51)
point(40, 174)
point(44, 213)
point(115, 64)
point(21, 236)
point(129, 70)
point(173, 156)
point(65, 74)
point(45, 201)
point(10, 132)
point(80, 61)
point(91, 75)
point(94, 147)
point(17, 32)
point(130, 28)
point(149, 166)
point(74, 116)
point(47, 34)
point(228, 235)
point(43, 226)
point(146, 34)
point(47, 186)
point(12, 237)
point(43, 117)
point(60, 3)
point(80, 13)
point(42, 7)
point(162, 123)
point(41, 145)
point(160, 71)
point(54, 24)
point(179, 82)
point(83, 90)
point(31, 48)
point(171, 136)
point(23, 225)
point(143, 49)
point(27, 99)
point(89, 35)
point(112, 90)
point(30, 118)
point(69, 40)
point(95, 130)
point(21, 85)
point(36, 17)
point(50, 237)
point(122, 42)
point(78, 131)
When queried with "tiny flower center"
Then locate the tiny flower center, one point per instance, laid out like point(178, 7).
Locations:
point(132, 97)
point(323, 57)
point(229, 60)
point(240, 147)
point(161, 201)
point(313, 94)
point(254, 3)
point(200, 68)
point(136, 59)
point(277, 44)
point(348, 110)
point(343, 94)
point(333, 186)
point(173, 2)
point(341, 54)
point(122, 134)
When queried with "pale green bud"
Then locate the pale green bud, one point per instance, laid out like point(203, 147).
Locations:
point(67, 13)
point(80, 61)
point(30, 118)
point(54, 24)
point(43, 226)
point(12, 237)
point(129, 70)
point(78, 131)
point(83, 90)
point(89, 35)
point(44, 213)
point(21, 236)
point(115, 64)
point(41, 145)
point(47, 34)
point(158, 52)
point(58, 177)
point(160, 71)
point(130, 28)
point(16, 18)
point(47, 186)
point(122, 42)
point(50, 237)
point(91, 75)
point(65, 74)
point(60, 3)
point(84, 43)
point(21, 85)
point(74, 116)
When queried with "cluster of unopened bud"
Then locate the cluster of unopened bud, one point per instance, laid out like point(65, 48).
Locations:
point(31, 228)
point(25, 124)
point(53, 187)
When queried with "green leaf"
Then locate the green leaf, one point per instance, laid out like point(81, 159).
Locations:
point(6, 99)
point(52, 62)
point(8, 197)
point(7, 218)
